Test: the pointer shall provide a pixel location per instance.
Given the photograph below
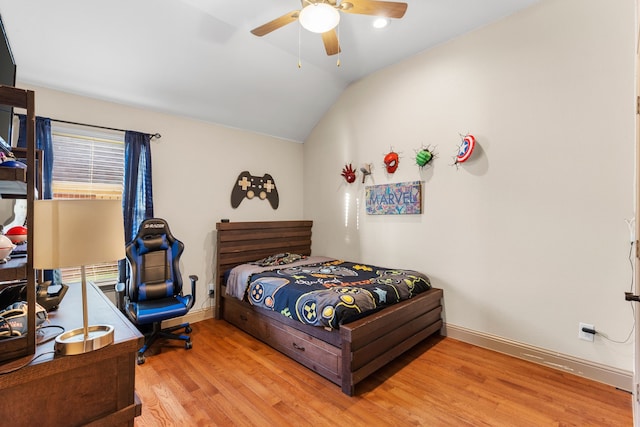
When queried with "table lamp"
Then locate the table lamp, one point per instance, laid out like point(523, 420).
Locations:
point(72, 233)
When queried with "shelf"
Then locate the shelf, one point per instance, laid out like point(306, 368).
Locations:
point(14, 269)
point(13, 182)
point(16, 266)
point(13, 189)
point(16, 97)
point(21, 183)
point(13, 174)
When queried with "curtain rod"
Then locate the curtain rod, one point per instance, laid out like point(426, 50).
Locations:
point(153, 135)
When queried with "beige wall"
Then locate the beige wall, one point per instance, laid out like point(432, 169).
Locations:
point(195, 165)
point(529, 237)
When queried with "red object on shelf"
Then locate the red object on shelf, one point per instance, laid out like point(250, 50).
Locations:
point(17, 234)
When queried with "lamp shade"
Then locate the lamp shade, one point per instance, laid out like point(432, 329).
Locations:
point(319, 17)
point(77, 232)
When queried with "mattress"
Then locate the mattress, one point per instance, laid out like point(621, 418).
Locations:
point(322, 291)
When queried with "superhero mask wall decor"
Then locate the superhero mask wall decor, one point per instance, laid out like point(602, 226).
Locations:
point(391, 161)
point(466, 148)
point(424, 156)
point(349, 173)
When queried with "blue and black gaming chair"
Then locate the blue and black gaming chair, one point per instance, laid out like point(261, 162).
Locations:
point(153, 291)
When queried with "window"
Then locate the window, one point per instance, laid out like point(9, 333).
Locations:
point(88, 163)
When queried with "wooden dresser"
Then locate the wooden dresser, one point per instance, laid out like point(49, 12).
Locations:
point(96, 388)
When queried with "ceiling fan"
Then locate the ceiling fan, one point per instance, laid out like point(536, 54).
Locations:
point(322, 16)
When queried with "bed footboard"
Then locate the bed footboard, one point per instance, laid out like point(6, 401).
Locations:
point(348, 355)
point(370, 343)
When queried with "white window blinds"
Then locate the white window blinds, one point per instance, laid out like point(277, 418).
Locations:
point(88, 163)
point(87, 166)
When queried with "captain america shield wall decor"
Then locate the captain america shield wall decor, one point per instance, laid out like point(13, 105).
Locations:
point(465, 149)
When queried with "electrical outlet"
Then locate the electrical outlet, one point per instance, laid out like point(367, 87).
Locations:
point(585, 335)
point(211, 290)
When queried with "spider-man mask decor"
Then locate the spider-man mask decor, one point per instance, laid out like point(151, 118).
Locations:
point(391, 161)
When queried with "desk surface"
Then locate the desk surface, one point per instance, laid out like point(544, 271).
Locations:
point(101, 311)
point(69, 316)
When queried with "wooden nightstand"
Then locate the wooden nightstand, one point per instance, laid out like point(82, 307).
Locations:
point(96, 388)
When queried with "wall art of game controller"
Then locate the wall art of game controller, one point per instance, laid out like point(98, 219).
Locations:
point(250, 186)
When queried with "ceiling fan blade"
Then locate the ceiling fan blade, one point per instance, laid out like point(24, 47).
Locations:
point(373, 7)
point(331, 44)
point(276, 23)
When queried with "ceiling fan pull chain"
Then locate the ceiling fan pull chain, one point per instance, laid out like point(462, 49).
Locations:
point(299, 43)
point(339, 50)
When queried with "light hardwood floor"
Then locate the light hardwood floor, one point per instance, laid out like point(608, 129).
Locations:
point(228, 378)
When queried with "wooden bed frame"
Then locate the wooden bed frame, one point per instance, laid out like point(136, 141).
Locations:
point(345, 356)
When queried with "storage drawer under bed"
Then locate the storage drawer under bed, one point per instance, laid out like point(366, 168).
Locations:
point(312, 352)
point(243, 317)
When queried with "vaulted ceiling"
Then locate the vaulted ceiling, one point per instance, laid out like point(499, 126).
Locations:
point(198, 59)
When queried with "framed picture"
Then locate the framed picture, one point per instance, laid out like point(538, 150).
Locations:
point(404, 198)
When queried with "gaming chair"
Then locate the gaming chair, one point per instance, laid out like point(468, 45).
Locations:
point(153, 291)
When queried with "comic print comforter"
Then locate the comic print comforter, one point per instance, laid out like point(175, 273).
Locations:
point(330, 292)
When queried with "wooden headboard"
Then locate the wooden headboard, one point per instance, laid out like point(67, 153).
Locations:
point(241, 242)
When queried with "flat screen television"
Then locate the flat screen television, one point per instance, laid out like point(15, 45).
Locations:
point(7, 78)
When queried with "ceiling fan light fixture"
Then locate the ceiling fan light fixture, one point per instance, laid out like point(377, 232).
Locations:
point(319, 17)
point(380, 22)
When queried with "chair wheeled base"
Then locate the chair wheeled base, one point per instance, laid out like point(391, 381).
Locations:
point(166, 333)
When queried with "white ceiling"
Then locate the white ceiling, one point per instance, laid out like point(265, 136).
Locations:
point(197, 58)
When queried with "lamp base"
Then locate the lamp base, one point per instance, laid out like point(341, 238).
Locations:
point(74, 341)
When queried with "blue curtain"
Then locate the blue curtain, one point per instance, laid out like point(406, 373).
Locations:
point(44, 143)
point(137, 196)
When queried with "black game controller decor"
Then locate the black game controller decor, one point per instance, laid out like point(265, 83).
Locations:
point(250, 186)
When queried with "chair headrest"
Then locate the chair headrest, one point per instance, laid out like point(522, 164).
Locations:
point(153, 226)
point(153, 235)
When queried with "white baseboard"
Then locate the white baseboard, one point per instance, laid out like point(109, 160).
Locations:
point(194, 315)
point(618, 378)
point(615, 377)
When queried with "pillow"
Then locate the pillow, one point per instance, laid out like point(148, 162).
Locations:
point(152, 243)
point(279, 259)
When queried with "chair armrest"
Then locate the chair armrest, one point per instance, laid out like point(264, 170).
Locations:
point(193, 279)
point(119, 288)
